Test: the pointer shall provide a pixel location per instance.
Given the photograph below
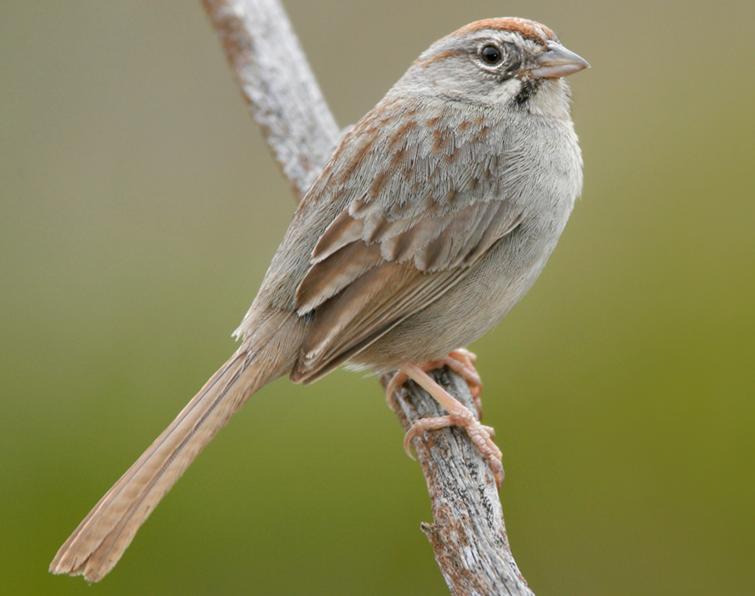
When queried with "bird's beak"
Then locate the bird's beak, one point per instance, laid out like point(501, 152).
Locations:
point(558, 62)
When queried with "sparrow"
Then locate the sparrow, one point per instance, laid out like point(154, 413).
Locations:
point(432, 218)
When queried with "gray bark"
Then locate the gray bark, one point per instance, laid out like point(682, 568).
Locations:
point(468, 535)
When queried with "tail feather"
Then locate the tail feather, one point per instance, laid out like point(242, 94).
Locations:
point(102, 537)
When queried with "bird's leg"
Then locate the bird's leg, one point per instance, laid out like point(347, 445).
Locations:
point(468, 372)
point(458, 415)
point(460, 361)
point(397, 381)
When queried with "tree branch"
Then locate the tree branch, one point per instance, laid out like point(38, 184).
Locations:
point(283, 95)
point(468, 535)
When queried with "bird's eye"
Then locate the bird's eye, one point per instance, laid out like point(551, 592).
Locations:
point(491, 55)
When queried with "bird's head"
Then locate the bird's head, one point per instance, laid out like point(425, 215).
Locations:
point(508, 61)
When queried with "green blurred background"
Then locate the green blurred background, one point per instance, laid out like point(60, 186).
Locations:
point(140, 208)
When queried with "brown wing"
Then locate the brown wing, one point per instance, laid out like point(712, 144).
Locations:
point(363, 282)
point(419, 203)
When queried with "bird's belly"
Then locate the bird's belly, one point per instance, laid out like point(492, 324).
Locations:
point(501, 277)
point(472, 307)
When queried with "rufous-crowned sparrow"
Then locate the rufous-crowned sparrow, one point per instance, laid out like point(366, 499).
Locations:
point(434, 215)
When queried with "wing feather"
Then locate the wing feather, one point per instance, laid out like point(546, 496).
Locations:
point(412, 217)
point(366, 310)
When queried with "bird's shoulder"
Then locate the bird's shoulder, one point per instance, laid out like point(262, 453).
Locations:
point(413, 154)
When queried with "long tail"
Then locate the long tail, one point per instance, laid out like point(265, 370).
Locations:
point(102, 537)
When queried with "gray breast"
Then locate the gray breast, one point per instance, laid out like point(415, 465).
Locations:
point(545, 185)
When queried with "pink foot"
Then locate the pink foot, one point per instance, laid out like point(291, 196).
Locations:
point(460, 361)
point(469, 373)
point(480, 435)
point(397, 381)
point(458, 415)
